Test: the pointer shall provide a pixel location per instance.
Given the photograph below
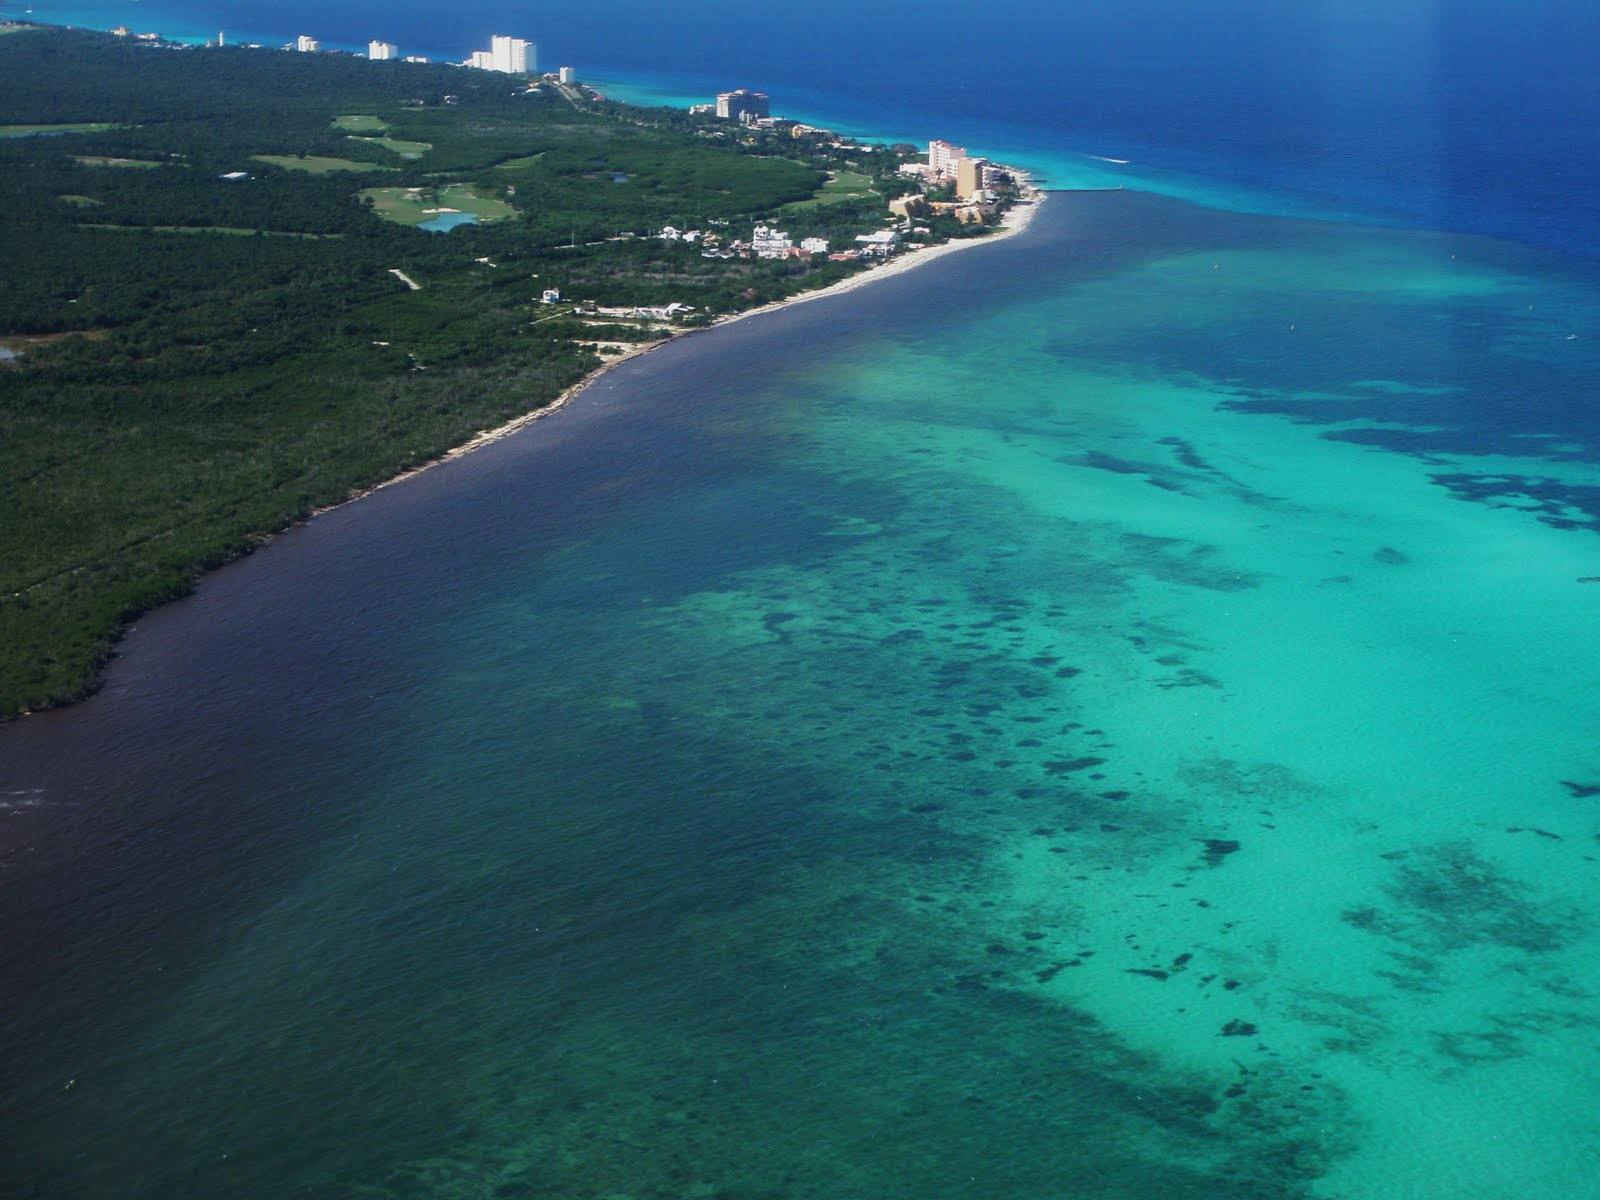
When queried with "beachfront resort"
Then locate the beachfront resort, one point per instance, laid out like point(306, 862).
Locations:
point(933, 194)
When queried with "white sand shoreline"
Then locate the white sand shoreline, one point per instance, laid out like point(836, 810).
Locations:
point(1016, 219)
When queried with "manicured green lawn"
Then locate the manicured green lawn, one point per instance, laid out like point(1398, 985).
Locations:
point(80, 127)
point(229, 230)
point(360, 123)
point(413, 206)
point(845, 185)
point(99, 160)
point(316, 164)
point(401, 147)
point(514, 164)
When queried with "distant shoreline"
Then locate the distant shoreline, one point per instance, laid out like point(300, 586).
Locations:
point(890, 257)
point(1016, 220)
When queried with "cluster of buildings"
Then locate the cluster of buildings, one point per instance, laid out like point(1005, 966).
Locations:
point(975, 182)
point(951, 164)
point(123, 31)
point(754, 109)
point(377, 51)
point(510, 55)
point(647, 312)
point(765, 241)
point(769, 242)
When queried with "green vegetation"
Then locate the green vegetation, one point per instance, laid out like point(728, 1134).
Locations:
point(316, 164)
point(230, 230)
point(414, 206)
point(212, 359)
point(58, 127)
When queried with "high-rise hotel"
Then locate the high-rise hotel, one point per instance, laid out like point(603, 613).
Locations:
point(742, 105)
point(510, 55)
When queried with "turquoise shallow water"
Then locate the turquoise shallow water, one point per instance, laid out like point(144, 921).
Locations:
point(1049, 162)
point(1108, 714)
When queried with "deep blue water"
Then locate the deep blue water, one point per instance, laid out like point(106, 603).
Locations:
point(1481, 116)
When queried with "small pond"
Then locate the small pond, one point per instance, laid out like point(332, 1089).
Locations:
point(445, 222)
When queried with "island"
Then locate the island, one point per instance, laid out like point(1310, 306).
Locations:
point(243, 285)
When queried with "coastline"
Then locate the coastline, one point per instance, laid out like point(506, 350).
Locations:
point(480, 420)
point(1016, 220)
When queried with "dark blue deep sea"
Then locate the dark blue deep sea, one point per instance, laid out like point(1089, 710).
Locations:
point(1111, 714)
point(1478, 115)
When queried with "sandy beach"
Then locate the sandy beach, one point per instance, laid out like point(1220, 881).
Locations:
point(1016, 219)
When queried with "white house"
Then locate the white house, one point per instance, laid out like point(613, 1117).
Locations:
point(661, 312)
point(882, 242)
point(306, 44)
point(814, 245)
point(770, 243)
point(550, 296)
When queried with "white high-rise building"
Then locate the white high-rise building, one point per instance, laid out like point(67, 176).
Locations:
point(568, 75)
point(943, 156)
point(306, 44)
point(382, 51)
point(512, 55)
point(509, 55)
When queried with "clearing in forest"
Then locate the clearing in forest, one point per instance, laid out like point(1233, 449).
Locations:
point(316, 164)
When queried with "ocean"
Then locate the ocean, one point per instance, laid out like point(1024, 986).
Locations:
point(1108, 714)
point(1482, 117)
